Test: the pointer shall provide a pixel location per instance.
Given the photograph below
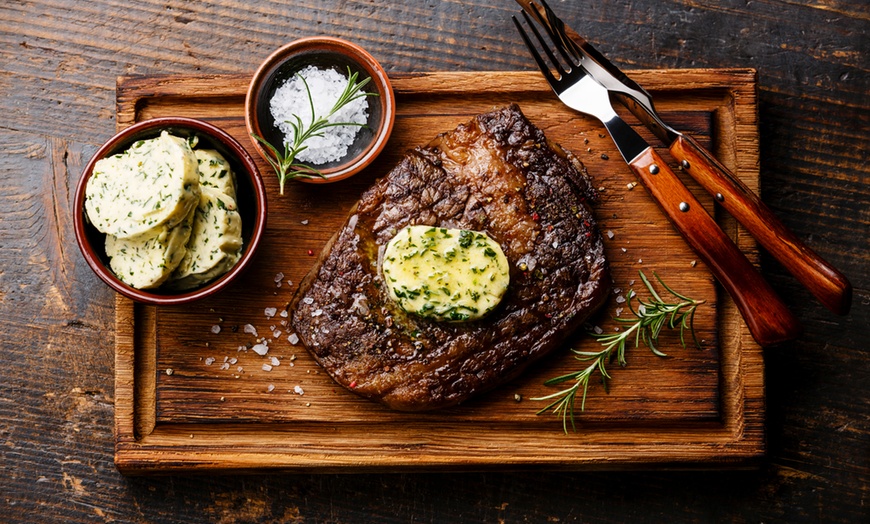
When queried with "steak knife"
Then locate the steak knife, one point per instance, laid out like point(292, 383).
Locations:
point(827, 284)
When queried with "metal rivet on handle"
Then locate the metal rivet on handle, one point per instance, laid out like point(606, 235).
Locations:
point(654, 169)
point(685, 164)
point(720, 197)
point(684, 207)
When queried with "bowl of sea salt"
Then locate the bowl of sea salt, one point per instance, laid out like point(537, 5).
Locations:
point(314, 72)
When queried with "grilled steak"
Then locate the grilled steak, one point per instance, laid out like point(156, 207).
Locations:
point(498, 174)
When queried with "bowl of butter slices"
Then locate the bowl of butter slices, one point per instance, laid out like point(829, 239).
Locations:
point(170, 210)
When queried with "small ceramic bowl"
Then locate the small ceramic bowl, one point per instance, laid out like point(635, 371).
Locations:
point(324, 53)
point(251, 201)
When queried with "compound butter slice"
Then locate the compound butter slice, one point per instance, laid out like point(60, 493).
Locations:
point(146, 261)
point(154, 183)
point(215, 172)
point(215, 244)
point(445, 274)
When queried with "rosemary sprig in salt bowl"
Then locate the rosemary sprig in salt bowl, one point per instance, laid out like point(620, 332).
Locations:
point(285, 163)
point(650, 318)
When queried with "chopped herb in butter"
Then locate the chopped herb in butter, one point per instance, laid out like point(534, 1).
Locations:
point(445, 274)
point(215, 172)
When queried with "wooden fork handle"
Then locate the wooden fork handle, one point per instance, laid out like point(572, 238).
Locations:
point(769, 320)
point(818, 276)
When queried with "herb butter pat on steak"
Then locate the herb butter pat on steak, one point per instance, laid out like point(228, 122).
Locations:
point(445, 274)
point(497, 175)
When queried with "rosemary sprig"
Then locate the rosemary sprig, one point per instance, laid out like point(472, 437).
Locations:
point(285, 164)
point(650, 317)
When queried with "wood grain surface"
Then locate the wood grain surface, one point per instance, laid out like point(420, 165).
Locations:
point(60, 61)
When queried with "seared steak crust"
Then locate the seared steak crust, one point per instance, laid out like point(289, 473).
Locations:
point(499, 174)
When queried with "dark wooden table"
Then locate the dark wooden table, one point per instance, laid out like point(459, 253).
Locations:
point(60, 59)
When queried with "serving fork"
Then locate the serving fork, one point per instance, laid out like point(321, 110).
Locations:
point(767, 317)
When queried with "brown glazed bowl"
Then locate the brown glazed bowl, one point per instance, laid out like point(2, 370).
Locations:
point(251, 201)
point(324, 53)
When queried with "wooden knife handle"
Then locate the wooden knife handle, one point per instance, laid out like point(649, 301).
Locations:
point(769, 320)
point(818, 276)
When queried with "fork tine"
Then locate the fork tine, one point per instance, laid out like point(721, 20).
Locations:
point(556, 29)
point(565, 66)
point(542, 65)
point(547, 49)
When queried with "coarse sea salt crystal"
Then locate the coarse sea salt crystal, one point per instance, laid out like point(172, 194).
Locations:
point(251, 330)
point(209, 361)
point(298, 390)
point(215, 329)
point(293, 338)
point(267, 367)
point(308, 300)
point(284, 314)
point(260, 349)
point(291, 100)
point(270, 312)
point(271, 388)
point(275, 361)
point(278, 277)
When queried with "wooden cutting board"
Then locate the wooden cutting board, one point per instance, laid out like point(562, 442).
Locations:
point(187, 399)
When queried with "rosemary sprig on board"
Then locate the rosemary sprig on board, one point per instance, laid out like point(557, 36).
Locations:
point(649, 319)
point(285, 164)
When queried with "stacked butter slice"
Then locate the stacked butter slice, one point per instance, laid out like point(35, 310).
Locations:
point(169, 213)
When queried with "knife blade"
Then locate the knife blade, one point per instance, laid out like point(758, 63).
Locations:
point(821, 278)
